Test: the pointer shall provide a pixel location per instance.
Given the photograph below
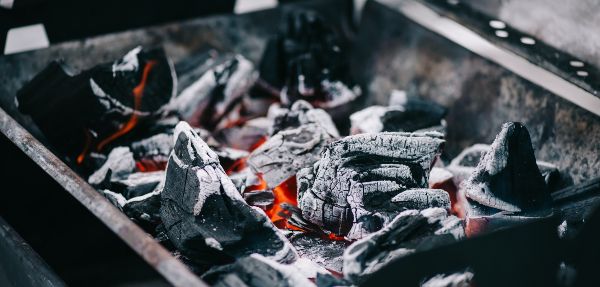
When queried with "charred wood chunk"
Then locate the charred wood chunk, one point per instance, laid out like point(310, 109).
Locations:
point(260, 198)
point(66, 106)
point(461, 279)
point(349, 190)
point(306, 61)
point(422, 198)
point(119, 164)
point(245, 137)
point(325, 252)
point(300, 113)
point(507, 178)
point(223, 83)
point(144, 209)
point(156, 145)
point(408, 115)
point(288, 151)
point(206, 218)
point(256, 271)
point(410, 231)
point(463, 165)
point(138, 184)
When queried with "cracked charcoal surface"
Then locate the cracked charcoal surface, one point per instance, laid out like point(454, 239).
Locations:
point(206, 218)
point(118, 165)
point(422, 198)
point(301, 113)
point(410, 231)
point(137, 184)
point(508, 178)
point(349, 190)
point(256, 271)
point(325, 252)
point(288, 151)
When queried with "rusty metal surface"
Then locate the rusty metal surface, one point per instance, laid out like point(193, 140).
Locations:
point(20, 265)
point(480, 94)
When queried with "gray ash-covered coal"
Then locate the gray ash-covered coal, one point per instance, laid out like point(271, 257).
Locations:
point(459, 279)
point(349, 191)
point(256, 271)
point(404, 114)
point(410, 231)
point(307, 61)
point(222, 82)
point(302, 133)
point(507, 179)
point(93, 107)
point(204, 215)
point(323, 251)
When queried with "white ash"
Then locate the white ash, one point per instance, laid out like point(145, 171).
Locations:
point(408, 232)
point(463, 165)
point(422, 198)
point(139, 183)
point(439, 175)
point(368, 120)
point(159, 144)
point(128, 63)
point(325, 252)
point(349, 190)
point(338, 93)
point(462, 279)
point(300, 113)
point(119, 164)
point(562, 229)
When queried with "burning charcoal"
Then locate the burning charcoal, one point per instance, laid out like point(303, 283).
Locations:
point(207, 101)
point(407, 114)
point(325, 252)
point(441, 178)
point(422, 198)
point(118, 165)
point(410, 231)
point(245, 137)
point(244, 178)
point(282, 155)
point(301, 113)
point(98, 105)
point(462, 279)
point(137, 184)
point(143, 209)
point(306, 62)
point(507, 178)
point(350, 190)
point(206, 218)
point(256, 271)
point(260, 198)
point(157, 145)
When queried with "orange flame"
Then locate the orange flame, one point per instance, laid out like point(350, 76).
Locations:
point(284, 193)
point(138, 92)
point(86, 147)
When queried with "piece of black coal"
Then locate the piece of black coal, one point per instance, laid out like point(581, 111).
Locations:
point(207, 101)
point(464, 164)
point(349, 190)
point(144, 209)
point(288, 151)
point(403, 115)
point(422, 198)
point(306, 61)
point(507, 178)
point(260, 198)
point(75, 110)
point(325, 252)
point(410, 231)
point(137, 184)
point(256, 271)
point(300, 113)
point(460, 279)
point(206, 218)
point(159, 145)
point(119, 164)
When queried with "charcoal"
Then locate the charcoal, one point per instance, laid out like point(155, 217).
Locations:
point(422, 198)
point(156, 145)
point(306, 62)
point(143, 209)
point(442, 178)
point(244, 178)
point(206, 218)
point(410, 231)
point(463, 165)
point(407, 115)
point(245, 137)
point(260, 198)
point(256, 271)
point(73, 109)
point(137, 184)
point(205, 102)
point(118, 166)
point(301, 113)
point(460, 279)
point(284, 154)
point(325, 252)
point(349, 190)
point(507, 178)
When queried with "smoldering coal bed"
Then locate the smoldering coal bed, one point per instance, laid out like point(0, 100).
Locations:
point(277, 172)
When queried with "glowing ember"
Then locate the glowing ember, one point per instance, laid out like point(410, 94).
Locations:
point(150, 165)
point(284, 193)
point(86, 148)
point(452, 190)
point(138, 92)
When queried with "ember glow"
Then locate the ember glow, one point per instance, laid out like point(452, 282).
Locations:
point(284, 193)
point(138, 92)
point(150, 165)
point(86, 148)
